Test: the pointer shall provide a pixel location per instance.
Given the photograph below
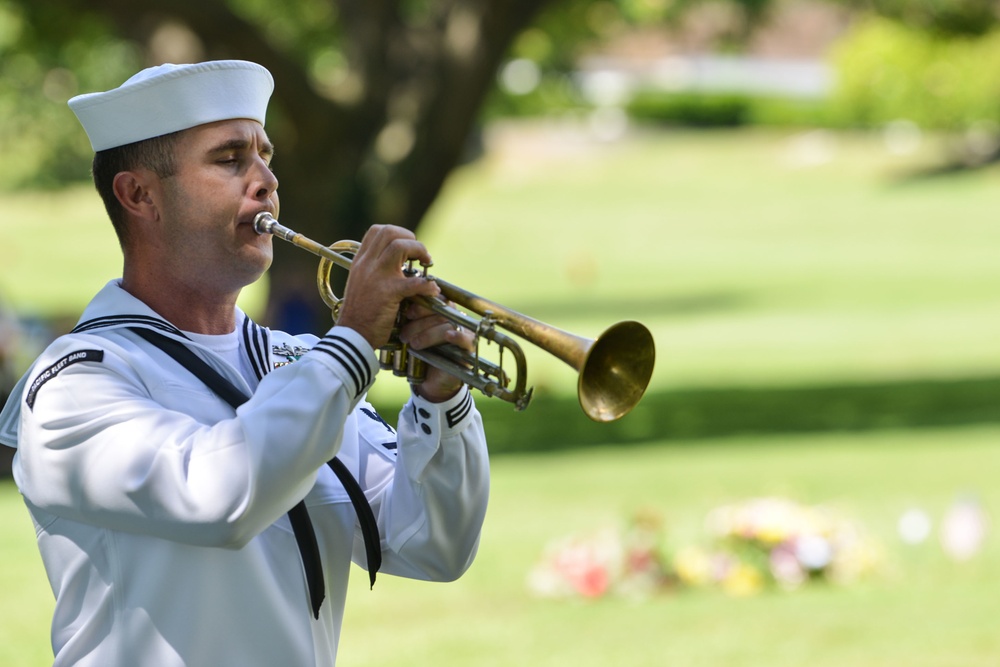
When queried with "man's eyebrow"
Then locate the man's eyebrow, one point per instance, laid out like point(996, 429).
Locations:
point(237, 144)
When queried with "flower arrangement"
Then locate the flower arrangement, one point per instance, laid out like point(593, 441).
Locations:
point(628, 561)
point(751, 545)
point(775, 541)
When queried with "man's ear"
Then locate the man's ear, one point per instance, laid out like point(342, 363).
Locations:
point(134, 191)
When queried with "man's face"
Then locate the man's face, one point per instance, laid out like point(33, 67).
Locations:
point(222, 180)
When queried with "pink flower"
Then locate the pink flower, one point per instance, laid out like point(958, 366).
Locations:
point(593, 581)
point(640, 560)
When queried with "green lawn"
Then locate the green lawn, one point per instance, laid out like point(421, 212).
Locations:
point(750, 266)
point(819, 319)
point(920, 610)
point(756, 258)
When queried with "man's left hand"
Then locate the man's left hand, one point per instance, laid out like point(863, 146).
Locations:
point(424, 329)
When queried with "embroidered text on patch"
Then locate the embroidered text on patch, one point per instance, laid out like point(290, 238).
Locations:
point(55, 369)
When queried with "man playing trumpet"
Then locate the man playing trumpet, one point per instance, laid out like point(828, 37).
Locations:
point(188, 520)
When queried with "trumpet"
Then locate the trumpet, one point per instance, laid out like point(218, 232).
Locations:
point(613, 370)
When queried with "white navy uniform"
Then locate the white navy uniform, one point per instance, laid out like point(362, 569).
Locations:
point(161, 512)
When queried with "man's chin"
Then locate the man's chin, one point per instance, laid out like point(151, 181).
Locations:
point(253, 264)
point(259, 270)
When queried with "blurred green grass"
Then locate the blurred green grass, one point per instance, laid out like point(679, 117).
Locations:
point(794, 283)
point(920, 610)
point(757, 258)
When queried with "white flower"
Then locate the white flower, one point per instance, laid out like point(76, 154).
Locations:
point(914, 526)
point(813, 551)
point(963, 529)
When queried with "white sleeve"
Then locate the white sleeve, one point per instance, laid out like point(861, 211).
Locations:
point(430, 500)
point(96, 447)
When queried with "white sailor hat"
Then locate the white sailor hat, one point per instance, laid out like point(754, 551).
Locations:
point(169, 98)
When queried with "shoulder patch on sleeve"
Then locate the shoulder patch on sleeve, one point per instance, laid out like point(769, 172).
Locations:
point(55, 369)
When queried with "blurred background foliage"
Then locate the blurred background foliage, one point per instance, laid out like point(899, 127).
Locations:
point(888, 71)
point(932, 63)
point(46, 57)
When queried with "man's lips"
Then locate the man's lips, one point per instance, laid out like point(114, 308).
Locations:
point(249, 219)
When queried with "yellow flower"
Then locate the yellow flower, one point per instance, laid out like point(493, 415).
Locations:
point(693, 566)
point(742, 580)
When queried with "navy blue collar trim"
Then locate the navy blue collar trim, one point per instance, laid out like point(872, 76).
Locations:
point(255, 343)
point(127, 320)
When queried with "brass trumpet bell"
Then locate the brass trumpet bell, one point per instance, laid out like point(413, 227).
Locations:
point(615, 372)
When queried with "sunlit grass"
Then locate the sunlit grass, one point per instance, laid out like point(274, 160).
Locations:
point(677, 214)
point(759, 260)
point(920, 609)
point(26, 602)
point(755, 258)
point(750, 263)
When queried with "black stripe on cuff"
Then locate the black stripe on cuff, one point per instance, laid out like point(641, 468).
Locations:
point(460, 411)
point(350, 358)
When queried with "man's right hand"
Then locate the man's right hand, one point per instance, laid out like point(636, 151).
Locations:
point(376, 284)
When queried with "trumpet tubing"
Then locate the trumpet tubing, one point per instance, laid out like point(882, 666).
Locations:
point(613, 369)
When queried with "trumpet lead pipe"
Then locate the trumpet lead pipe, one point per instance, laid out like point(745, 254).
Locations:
point(264, 223)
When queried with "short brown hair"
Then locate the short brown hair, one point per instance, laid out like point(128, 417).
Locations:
point(156, 154)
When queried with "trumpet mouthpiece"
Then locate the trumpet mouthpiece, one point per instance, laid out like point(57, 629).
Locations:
point(264, 222)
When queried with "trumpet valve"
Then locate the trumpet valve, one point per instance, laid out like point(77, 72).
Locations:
point(399, 362)
point(416, 370)
point(385, 358)
point(408, 270)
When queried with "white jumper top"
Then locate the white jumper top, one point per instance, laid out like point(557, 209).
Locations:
point(161, 512)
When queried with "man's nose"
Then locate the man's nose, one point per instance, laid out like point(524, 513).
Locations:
point(265, 182)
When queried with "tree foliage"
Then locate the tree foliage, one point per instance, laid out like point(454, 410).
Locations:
point(374, 105)
point(46, 56)
point(945, 17)
point(376, 101)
